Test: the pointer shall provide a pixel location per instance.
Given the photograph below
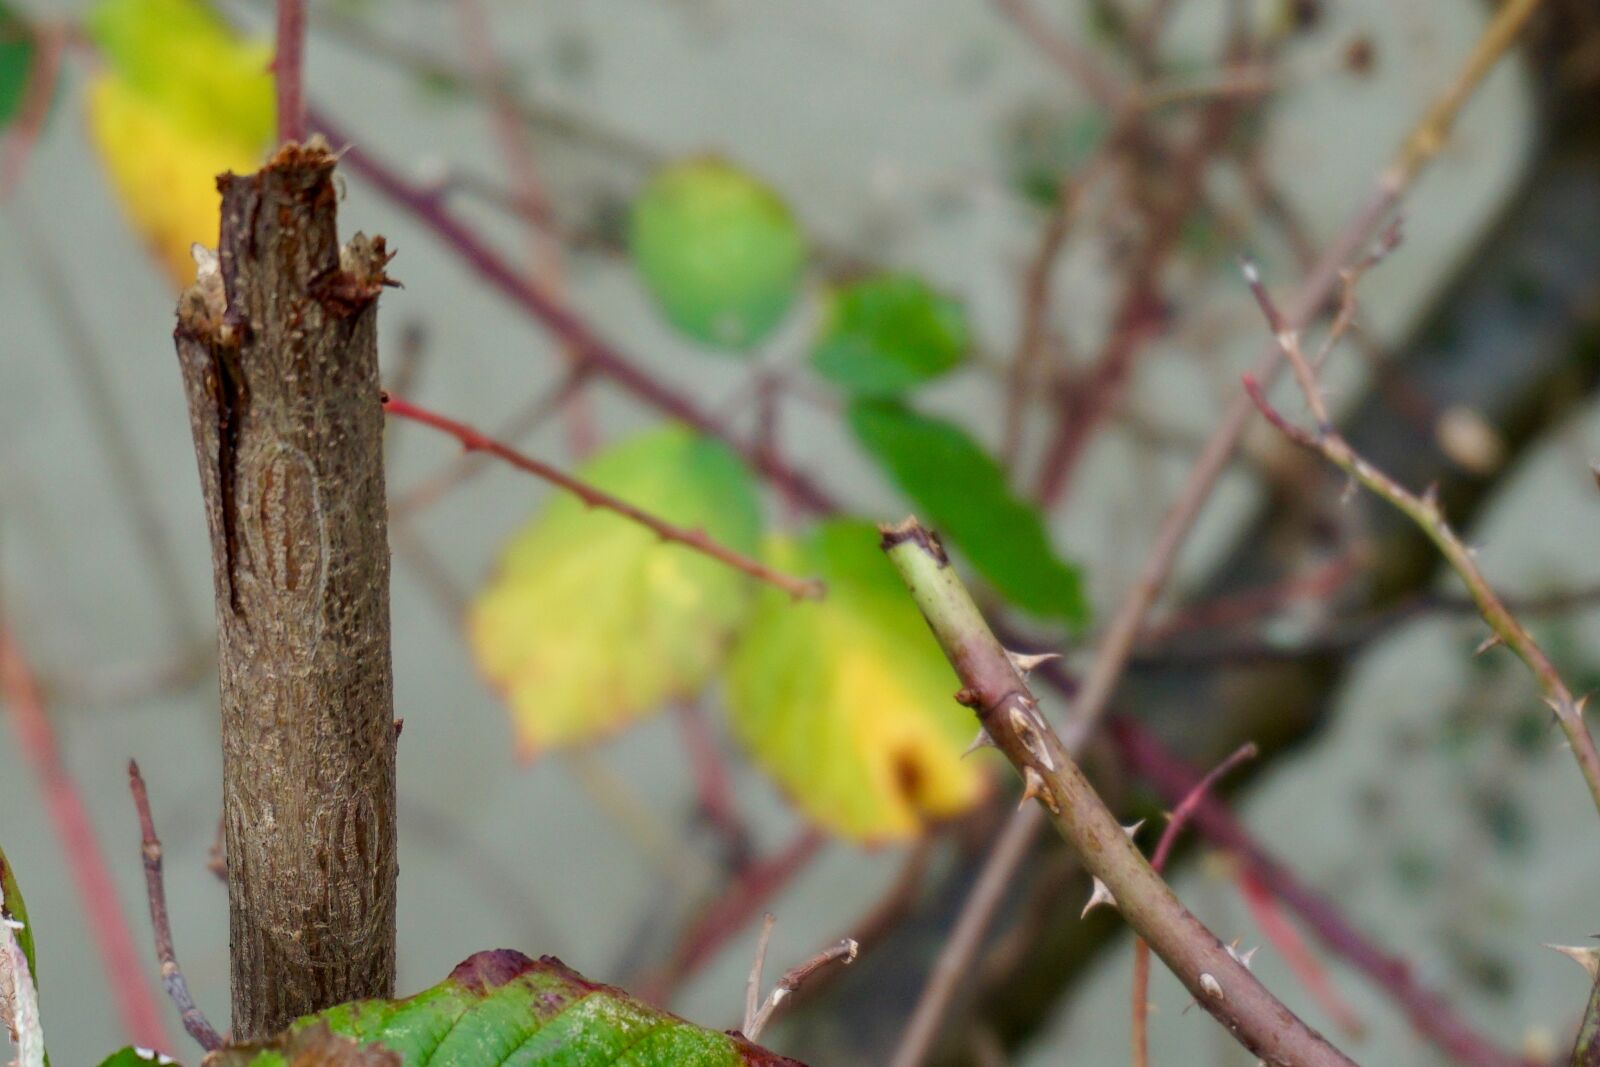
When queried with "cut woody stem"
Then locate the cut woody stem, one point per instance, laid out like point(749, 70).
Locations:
point(473, 441)
point(994, 687)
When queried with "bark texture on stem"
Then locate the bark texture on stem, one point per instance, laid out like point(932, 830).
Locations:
point(995, 688)
point(278, 348)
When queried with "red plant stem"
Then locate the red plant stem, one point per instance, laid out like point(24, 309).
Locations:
point(426, 207)
point(194, 1020)
point(1158, 860)
point(1297, 955)
point(473, 441)
point(747, 897)
point(136, 1003)
point(547, 269)
point(1428, 1012)
point(288, 68)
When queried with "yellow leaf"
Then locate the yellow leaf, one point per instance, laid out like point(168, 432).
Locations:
point(164, 177)
point(181, 100)
point(848, 702)
point(593, 621)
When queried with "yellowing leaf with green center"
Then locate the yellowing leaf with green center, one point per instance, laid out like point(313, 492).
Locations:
point(182, 99)
point(847, 702)
point(592, 620)
point(887, 333)
point(718, 250)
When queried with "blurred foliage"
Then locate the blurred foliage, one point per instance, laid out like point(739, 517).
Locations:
point(887, 333)
point(848, 702)
point(718, 250)
point(962, 492)
point(1040, 143)
point(592, 620)
point(181, 100)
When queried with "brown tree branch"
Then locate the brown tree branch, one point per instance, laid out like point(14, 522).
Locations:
point(1008, 713)
point(194, 1020)
point(1158, 862)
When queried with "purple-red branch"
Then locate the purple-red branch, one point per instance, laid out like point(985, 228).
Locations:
point(288, 68)
point(698, 540)
point(194, 1020)
point(1169, 836)
point(426, 206)
point(1430, 1015)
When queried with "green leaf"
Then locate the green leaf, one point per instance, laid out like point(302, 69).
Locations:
point(962, 492)
point(502, 1009)
point(137, 1057)
point(592, 620)
point(17, 53)
point(847, 702)
point(718, 250)
point(887, 333)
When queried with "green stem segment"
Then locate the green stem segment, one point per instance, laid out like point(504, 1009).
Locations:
point(994, 688)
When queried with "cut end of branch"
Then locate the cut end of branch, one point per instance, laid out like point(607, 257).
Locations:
point(911, 531)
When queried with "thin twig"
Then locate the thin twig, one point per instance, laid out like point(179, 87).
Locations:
point(756, 1019)
point(994, 687)
point(288, 68)
point(433, 488)
point(472, 440)
point(547, 269)
point(713, 790)
point(1106, 89)
point(1428, 1012)
point(750, 890)
point(1424, 511)
point(961, 945)
point(1158, 862)
point(752, 988)
point(1031, 339)
point(113, 937)
point(1297, 956)
point(194, 1020)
